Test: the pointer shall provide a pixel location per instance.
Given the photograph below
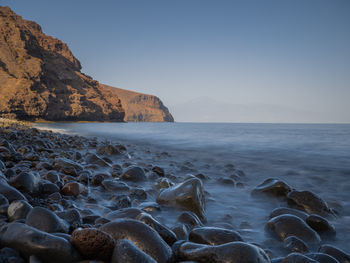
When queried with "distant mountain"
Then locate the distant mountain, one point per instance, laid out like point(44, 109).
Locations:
point(205, 109)
point(40, 79)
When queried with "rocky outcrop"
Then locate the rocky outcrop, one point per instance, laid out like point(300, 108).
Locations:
point(40, 79)
point(141, 107)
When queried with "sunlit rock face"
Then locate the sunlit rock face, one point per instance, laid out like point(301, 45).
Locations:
point(40, 79)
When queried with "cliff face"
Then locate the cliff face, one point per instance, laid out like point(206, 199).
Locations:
point(41, 79)
point(141, 107)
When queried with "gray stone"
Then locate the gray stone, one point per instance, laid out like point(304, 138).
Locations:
point(134, 174)
point(46, 247)
point(18, 210)
point(143, 236)
point(126, 251)
point(45, 220)
point(213, 236)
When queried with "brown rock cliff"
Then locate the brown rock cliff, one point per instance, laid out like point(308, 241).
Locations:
point(40, 79)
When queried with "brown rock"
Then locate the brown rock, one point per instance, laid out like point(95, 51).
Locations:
point(73, 189)
point(93, 243)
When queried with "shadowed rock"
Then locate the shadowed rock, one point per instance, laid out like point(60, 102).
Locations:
point(143, 236)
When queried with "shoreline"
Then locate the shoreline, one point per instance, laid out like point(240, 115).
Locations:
point(73, 186)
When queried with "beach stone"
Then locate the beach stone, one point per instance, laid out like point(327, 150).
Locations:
point(142, 235)
point(94, 159)
point(322, 258)
point(46, 187)
point(150, 207)
point(298, 258)
point(158, 170)
point(284, 226)
point(321, 225)
point(294, 244)
point(190, 219)
point(168, 236)
point(163, 183)
point(285, 210)
point(335, 252)
point(226, 181)
point(97, 179)
point(138, 193)
point(121, 201)
point(60, 163)
point(213, 236)
point(73, 189)
point(309, 202)
point(272, 186)
point(52, 176)
point(129, 212)
point(31, 241)
point(134, 174)
point(107, 150)
point(114, 186)
point(93, 243)
point(72, 216)
point(9, 255)
point(233, 252)
point(181, 231)
point(10, 192)
point(2, 166)
point(126, 251)
point(18, 210)
point(188, 195)
point(26, 182)
point(3, 200)
point(45, 220)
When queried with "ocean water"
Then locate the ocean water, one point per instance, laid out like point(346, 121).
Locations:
point(314, 157)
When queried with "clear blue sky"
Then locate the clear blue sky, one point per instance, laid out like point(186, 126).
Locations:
point(288, 58)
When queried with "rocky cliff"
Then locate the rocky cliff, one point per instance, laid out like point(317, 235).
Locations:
point(40, 79)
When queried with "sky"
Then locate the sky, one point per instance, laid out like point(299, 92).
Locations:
point(218, 60)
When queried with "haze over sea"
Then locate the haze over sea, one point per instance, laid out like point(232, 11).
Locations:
point(312, 157)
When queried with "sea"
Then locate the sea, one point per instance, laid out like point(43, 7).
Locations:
point(313, 157)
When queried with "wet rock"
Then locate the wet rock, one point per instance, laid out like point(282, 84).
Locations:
point(213, 236)
point(134, 173)
point(94, 159)
point(168, 236)
point(309, 202)
point(114, 186)
point(272, 186)
point(163, 183)
point(52, 176)
point(288, 225)
point(97, 179)
point(46, 187)
point(18, 210)
point(121, 201)
point(295, 244)
point(335, 252)
point(107, 150)
point(285, 210)
point(188, 195)
point(93, 243)
point(181, 231)
point(9, 255)
point(73, 189)
point(226, 181)
point(138, 193)
point(321, 225)
point(158, 170)
point(26, 182)
point(233, 252)
point(143, 236)
point(130, 212)
point(127, 252)
point(61, 163)
point(3, 200)
point(10, 192)
point(298, 258)
point(150, 207)
point(322, 258)
point(45, 220)
point(46, 247)
point(72, 216)
point(189, 219)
